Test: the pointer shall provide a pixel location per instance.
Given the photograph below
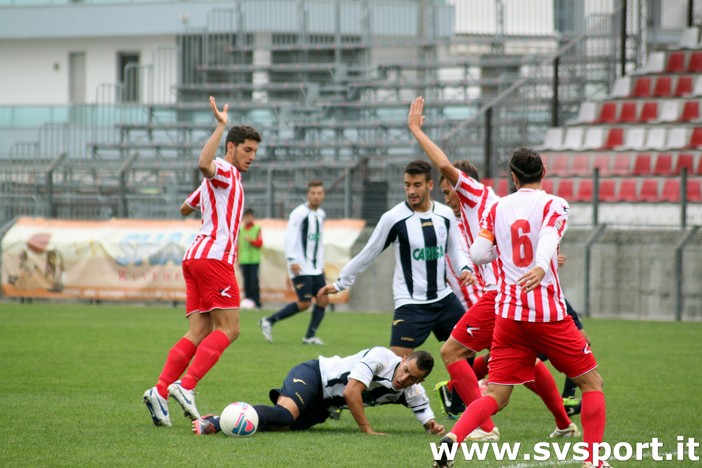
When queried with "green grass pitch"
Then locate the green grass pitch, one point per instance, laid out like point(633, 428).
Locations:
point(72, 377)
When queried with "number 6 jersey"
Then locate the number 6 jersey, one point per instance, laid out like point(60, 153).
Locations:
point(516, 224)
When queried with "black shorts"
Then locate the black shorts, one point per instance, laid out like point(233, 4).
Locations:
point(307, 286)
point(412, 323)
point(303, 385)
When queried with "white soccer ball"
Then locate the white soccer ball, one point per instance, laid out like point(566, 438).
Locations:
point(247, 304)
point(238, 419)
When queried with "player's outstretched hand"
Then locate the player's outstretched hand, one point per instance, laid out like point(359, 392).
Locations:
point(415, 119)
point(326, 290)
point(435, 428)
point(221, 116)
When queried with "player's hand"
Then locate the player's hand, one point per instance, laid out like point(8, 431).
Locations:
point(221, 116)
point(435, 428)
point(369, 430)
point(415, 119)
point(467, 278)
point(561, 260)
point(295, 269)
point(531, 279)
point(587, 338)
point(326, 290)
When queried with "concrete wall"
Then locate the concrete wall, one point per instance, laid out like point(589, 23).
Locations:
point(633, 275)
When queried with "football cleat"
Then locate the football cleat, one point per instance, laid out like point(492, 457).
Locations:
point(186, 399)
point(313, 340)
point(444, 394)
point(444, 461)
point(570, 431)
point(602, 464)
point(206, 425)
point(266, 329)
point(480, 435)
point(572, 406)
point(158, 407)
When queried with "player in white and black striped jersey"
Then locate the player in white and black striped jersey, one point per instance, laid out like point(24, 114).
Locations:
point(422, 233)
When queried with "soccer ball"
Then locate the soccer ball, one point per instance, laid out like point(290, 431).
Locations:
point(238, 419)
point(247, 304)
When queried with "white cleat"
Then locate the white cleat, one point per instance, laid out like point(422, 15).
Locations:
point(313, 340)
point(158, 407)
point(266, 329)
point(570, 431)
point(602, 464)
point(186, 399)
point(480, 435)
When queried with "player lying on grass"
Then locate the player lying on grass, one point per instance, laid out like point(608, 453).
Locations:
point(319, 389)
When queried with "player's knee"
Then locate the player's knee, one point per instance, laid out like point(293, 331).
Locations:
point(303, 305)
point(452, 352)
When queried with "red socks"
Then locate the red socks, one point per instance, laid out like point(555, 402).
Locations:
point(545, 387)
point(466, 385)
point(593, 419)
point(480, 366)
point(478, 411)
point(178, 359)
point(206, 356)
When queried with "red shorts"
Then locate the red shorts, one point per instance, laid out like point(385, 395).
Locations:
point(209, 284)
point(474, 330)
point(515, 346)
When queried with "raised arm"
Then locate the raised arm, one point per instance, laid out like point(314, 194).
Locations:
point(206, 161)
point(438, 158)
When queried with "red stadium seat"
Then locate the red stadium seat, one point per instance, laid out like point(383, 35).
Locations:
point(642, 165)
point(649, 111)
point(559, 164)
point(694, 190)
point(602, 163)
point(606, 190)
point(684, 86)
point(695, 65)
point(622, 164)
point(584, 193)
point(547, 185)
point(502, 187)
point(642, 88)
point(580, 165)
point(565, 189)
point(696, 138)
point(486, 182)
point(691, 111)
point(608, 113)
point(684, 160)
point(627, 114)
point(671, 191)
point(614, 138)
point(649, 191)
point(676, 62)
point(663, 87)
point(663, 165)
point(627, 191)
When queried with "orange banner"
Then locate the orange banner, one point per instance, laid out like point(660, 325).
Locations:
point(126, 259)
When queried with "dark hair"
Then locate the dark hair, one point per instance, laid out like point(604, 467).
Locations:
point(424, 360)
point(418, 167)
point(240, 133)
point(526, 165)
point(464, 166)
point(248, 211)
point(314, 183)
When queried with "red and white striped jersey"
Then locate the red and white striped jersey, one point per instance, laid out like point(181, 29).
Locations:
point(221, 201)
point(515, 223)
point(476, 199)
point(468, 294)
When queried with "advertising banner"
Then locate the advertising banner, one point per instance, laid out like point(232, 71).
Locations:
point(129, 259)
